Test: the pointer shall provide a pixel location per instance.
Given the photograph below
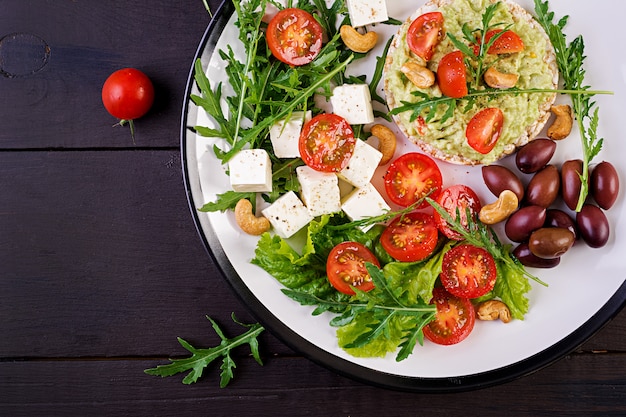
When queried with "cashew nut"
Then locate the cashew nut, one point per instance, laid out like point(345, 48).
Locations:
point(493, 310)
point(386, 142)
point(418, 74)
point(502, 208)
point(356, 41)
point(562, 125)
point(247, 221)
point(496, 79)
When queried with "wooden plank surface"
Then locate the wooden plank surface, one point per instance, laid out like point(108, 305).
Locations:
point(101, 267)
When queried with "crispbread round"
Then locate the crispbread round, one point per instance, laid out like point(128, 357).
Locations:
point(466, 155)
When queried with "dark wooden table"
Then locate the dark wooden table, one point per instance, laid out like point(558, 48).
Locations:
point(101, 267)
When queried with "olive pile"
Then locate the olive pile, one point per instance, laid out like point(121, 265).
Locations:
point(544, 231)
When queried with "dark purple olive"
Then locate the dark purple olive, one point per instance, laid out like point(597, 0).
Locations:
point(527, 258)
point(559, 218)
point(535, 155)
point(543, 187)
point(498, 178)
point(604, 184)
point(570, 182)
point(550, 242)
point(593, 225)
point(523, 222)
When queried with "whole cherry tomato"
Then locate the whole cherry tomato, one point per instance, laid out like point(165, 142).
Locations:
point(128, 94)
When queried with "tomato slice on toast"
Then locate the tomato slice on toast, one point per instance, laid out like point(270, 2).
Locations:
point(425, 33)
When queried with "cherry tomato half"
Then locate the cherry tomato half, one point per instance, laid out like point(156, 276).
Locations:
point(453, 321)
point(508, 42)
point(451, 75)
point(327, 143)
point(456, 197)
point(411, 177)
point(294, 36)
point(410, 237)
point(468, 271)
point(127, 94)
point(425, 33)
point(484, 129)
point(345, 267)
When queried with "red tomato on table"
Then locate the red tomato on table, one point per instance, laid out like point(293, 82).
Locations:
point(468, 271)
point(456, 197)
point(452, 75)
point(412, 176)
point(453, 321)
point(346, 269)
point(294, 36)
point(484, 129)
point(410, 237)
point(127, 94)
point(326, 143)
point(425, 33)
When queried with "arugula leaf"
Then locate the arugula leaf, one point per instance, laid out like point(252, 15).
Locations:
point(570, 59)
point(201, 358)
point(227, 201)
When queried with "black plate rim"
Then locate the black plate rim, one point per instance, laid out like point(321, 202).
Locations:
point(338, 365)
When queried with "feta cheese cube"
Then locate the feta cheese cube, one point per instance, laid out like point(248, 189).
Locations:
point(287, 215)
point(365, 12)
point(364, 202)
point(251, 171)
point(353, 102)
point(362, 165)
point(319, 191)
point(285, 135)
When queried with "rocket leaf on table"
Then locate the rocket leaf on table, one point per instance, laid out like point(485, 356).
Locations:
point(201, 358)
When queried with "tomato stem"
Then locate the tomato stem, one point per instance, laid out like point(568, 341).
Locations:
point(131, 124)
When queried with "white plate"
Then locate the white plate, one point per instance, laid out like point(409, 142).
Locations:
point(584, 292)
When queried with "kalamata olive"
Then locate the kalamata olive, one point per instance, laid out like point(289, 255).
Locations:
point(543, 187)
point(559, 218)
point(550, 242)
point(535, 155)
point(523, 222)
point(527, 258)
point(604, 184)
point(498, 178)
point(570, 182)
point(593, 225)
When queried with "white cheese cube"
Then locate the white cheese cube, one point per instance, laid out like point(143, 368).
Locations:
point(362, 165)
point(353, 102)
point(287, 215)
point(251, 171)
point(364, 202)
point(319, 191)
point(285, 135)
point(365, 12)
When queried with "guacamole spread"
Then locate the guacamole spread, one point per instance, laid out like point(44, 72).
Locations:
point(524, 113)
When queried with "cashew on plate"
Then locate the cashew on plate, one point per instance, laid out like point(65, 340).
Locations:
point(357, 42)
point(562, 125)
point(247, 221)
point(386, 142)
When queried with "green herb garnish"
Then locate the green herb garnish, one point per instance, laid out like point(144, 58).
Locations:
point(570, 58)
point(374, 317)
point(201, 358)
